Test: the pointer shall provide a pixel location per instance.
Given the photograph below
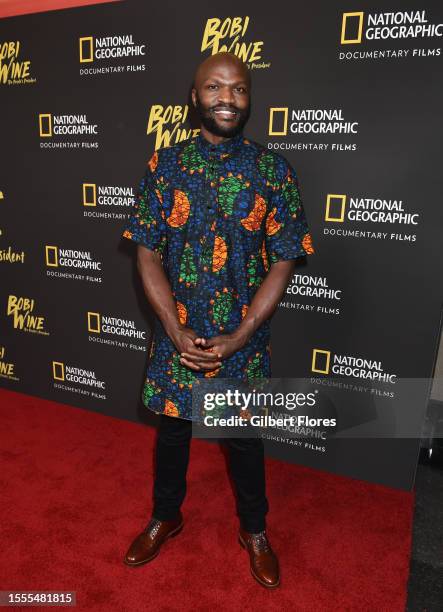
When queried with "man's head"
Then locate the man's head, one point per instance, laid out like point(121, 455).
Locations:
point(221, 94)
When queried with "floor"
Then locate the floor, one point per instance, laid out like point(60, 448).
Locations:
point(425, 586)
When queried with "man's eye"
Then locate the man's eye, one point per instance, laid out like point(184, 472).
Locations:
point(212, 86)
point(241, 89)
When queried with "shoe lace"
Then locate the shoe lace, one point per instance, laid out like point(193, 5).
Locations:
point(152, 527)
point(259, 542)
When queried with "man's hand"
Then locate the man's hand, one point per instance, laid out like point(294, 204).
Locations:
point(192, 355)
point(222, 347)
point(225, 344)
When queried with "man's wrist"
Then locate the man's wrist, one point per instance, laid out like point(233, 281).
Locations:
point(173, 328)
point(243, 333)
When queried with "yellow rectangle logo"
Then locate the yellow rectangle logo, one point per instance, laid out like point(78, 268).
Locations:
point(58, 370)
point(45, 125)
point(52, 256)
point(86, 48)
point(94, 322)
point(321, 361)
point(89, 194)
point(358, 28)
point(334, 200)
point(284, 127)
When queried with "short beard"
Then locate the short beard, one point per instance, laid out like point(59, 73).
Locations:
point(210, 124)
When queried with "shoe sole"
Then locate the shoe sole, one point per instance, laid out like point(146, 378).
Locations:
point(265, 584)
point(172, 534)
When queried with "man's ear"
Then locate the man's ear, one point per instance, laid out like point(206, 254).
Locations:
point(194, 96)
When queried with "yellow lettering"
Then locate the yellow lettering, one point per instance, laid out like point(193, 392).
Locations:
point(256, 51)
point(210, 34)
point(7, 368)
point(15, 304)
point(34, 322)
point(177, 114)
point(155, 118)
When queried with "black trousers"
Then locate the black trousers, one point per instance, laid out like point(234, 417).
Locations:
point(246, 464)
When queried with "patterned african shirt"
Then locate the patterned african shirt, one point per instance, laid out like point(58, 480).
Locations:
point(219, 215)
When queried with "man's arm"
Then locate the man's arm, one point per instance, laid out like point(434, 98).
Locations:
point(266, 299)
point(262, 306)
point(159, 294)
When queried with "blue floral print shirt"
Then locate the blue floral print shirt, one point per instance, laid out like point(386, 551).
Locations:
point(220, 216)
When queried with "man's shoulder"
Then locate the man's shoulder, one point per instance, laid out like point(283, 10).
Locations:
point(174, 150)
point(162, 157)
point(263, 151)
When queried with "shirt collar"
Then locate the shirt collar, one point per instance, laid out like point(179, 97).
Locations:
point(222, 150)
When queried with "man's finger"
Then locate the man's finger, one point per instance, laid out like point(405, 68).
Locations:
point(199, 365)
point(211, 345)
point(210, 366)
point(199, 355)
point(189, 364)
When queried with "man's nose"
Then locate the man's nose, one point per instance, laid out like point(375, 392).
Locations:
point(226, 96)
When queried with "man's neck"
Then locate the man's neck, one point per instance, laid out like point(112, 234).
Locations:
point(212, 138)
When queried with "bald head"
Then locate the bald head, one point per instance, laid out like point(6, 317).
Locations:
point(221, 62)
point(221, 95)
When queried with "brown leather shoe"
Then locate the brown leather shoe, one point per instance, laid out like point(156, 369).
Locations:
point(263, 561)
point(147, 544)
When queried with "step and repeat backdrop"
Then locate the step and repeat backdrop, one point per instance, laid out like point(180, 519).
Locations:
point(350, 93)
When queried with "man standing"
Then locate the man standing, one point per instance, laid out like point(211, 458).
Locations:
point(219, 223)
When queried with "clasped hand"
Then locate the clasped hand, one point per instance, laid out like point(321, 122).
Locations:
point(206, 354)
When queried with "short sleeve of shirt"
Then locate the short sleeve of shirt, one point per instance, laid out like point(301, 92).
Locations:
point(287, 232)
point(146, 223)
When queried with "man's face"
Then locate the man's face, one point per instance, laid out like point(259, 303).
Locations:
point(222, 99)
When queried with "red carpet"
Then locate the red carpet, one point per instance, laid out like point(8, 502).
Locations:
point(76, 488)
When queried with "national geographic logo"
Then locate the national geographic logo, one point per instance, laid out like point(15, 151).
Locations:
point(310, 122)
point(13, 69)
point(74, 259)
point(22, 311)
point(52, 126)
point(167, 123)
point(67, 378)
point(358, 27)
point(341, 208)
point(62, 125)
point(227, 35)
point(96, 49)
point(107, 201)
point(305, 291)
point(7, 368)
point(327, 362)
point(105, 328)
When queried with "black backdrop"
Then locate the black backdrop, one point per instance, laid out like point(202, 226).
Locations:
point(379, 101)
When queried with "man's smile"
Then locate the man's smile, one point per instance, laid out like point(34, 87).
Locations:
point(225, 113)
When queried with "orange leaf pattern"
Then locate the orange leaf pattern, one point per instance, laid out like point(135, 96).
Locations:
point(182, 312)
point(254, 219)
point(180, 211)
point(272, 226)
point(219, 254)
